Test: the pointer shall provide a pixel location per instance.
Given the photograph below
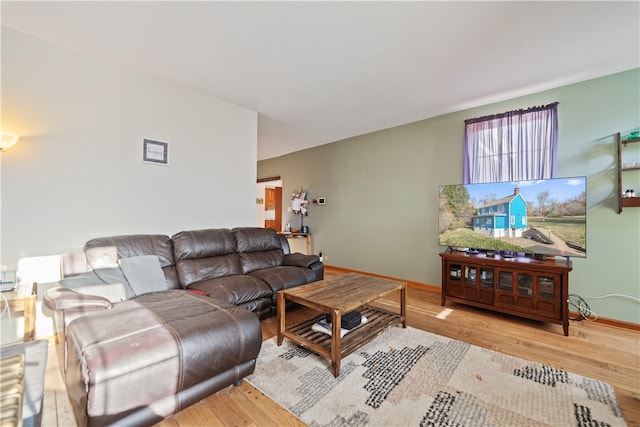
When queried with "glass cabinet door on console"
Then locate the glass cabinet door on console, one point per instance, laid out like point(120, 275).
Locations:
point(470, 288)
point(511, 285)
point(454, 283)
point(470, 282)
point(485, 291)
point(505, 282)
point(529, 291)
point(547, 291)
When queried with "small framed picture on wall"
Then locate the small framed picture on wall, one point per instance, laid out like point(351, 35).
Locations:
point(155, 152)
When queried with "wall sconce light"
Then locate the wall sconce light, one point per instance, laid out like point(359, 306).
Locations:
point(8, 140)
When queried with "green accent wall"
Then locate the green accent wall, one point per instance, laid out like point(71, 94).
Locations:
point(381, 188)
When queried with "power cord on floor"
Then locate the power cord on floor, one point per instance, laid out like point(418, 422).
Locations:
point(583, 309)
point(585, 313)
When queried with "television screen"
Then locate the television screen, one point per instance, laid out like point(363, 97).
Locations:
point(546, 217)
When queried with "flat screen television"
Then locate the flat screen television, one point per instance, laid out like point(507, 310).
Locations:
point(543, 217)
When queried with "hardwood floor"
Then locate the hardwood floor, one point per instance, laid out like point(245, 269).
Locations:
point(607, 353)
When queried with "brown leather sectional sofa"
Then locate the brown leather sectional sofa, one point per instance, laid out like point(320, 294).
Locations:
point(167, 345)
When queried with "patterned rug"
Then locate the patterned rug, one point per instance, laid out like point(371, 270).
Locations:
point(408, 377)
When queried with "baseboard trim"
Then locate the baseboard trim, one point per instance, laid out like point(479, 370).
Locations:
point(610, 322)
point(433, 288)
point(409, 283)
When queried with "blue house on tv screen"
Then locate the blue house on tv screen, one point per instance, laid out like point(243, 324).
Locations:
point(506, 217)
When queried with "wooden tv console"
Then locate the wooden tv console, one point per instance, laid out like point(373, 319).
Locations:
point(520, 286)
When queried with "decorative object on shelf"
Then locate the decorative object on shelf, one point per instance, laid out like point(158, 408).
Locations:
point(8, 140)
point(299, 206)
point(155, 152)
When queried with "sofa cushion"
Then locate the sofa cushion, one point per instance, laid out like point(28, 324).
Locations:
point(262, 307)
point(205, 254)
point(300, 260)
point(196, 270)
point(237, 290)
point(280, 278)
point(258, 248)
point(252, 261)
point(147, 350)
point(109, 283)
point(101, 256)
point(106, 364)
point(100, 251)
point(114, 292)
point(144, 274)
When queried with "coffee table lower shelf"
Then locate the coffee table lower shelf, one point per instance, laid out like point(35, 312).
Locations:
point(378, 321)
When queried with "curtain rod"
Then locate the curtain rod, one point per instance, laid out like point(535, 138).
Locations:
point(512, 113)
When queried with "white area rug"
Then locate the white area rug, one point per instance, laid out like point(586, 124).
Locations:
point(408, 377)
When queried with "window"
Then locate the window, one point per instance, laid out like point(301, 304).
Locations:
point(512, 146)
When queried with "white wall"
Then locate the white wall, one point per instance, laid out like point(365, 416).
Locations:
point(76, 172)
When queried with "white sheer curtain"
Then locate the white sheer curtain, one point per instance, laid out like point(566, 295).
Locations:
point(512, 146)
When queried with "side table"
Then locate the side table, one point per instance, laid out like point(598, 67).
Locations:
point(26, 304)
point(299, 242)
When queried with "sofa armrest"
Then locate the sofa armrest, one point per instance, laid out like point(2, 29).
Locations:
point(300, 260)
point(318, 270)
point(68, 305)
point(60, 298)
point(284, 243)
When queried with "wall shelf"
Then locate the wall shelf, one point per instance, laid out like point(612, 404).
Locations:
point(625, 202)
point(630, 202)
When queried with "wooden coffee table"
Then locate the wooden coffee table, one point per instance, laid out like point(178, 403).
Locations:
point(338, 296)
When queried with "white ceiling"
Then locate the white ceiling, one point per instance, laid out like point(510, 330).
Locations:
point(318, 72)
